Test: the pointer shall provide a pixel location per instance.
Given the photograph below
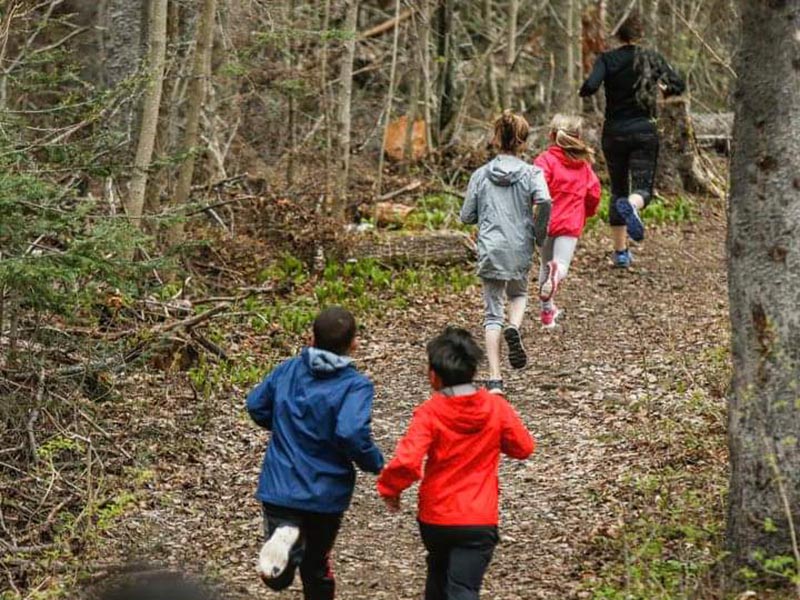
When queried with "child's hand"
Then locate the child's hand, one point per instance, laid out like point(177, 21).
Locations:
point(392, 503)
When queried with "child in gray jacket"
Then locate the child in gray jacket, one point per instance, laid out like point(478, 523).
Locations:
point(509, 200)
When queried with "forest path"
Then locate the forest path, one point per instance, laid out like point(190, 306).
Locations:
point(625, 352)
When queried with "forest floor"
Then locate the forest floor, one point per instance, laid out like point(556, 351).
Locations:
point(622, 499)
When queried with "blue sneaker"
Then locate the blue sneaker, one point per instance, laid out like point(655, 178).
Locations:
point(622, 259)
point(633, 222)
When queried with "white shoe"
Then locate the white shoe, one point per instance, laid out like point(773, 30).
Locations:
point(274, 555)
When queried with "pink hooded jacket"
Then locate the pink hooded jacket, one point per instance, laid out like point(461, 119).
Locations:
point(574, 188)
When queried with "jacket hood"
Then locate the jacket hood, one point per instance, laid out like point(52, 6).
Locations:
point(564, 158)
point(464, 409)
point(322, 362)
point(506, 170)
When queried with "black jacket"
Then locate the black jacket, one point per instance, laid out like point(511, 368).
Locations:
point(632, 76)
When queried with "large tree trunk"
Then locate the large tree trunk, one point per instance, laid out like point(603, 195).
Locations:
point(511, 53)
point(150, 109)
point(445, 58)
point(201, 71)
point(764, 280)
point(124, 38)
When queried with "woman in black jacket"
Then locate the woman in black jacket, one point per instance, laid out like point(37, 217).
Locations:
point(632, 76)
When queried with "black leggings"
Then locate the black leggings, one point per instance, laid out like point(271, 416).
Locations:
point(457, 560)
point(311, 552)
point(631, 158)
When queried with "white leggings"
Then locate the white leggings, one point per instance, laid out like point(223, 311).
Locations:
point(561, 249)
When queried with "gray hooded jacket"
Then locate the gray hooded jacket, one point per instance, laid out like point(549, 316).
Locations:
point(500, 199)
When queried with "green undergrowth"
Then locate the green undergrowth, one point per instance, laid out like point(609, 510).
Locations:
point(661, 211)
point(437, 211)
point(668, 534)
point(366, 287)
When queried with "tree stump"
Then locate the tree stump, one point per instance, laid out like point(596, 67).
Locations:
point(680, 164)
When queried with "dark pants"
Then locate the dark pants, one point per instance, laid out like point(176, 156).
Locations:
point(457, 560)
point(311, 553)
point(631, 158)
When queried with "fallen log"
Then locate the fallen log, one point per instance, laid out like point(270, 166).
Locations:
point(401, 247)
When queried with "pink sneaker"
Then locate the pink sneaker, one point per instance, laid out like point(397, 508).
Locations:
point(548, 317)
point(548, 289)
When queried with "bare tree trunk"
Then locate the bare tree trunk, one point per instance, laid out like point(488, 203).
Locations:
point(201, 71)
point(562, 41)
point(325, 102)
point(491, 80)
point(427, 85)
point(345, 99)
point(123, 23)
point(764, 280)
point(446, 62)
point(413, 99)
point(157, 26)
point(290, 124)
point(511, 53)
point(389, 95)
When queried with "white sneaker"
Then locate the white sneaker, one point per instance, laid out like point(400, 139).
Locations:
point(274, 555)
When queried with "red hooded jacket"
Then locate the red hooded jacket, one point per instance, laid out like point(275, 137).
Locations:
point(462, 438)
point(574, 188)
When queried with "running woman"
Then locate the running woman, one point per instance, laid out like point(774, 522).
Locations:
point(632, 76)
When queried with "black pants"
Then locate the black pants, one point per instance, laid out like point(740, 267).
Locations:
point(457, 560)
point(631, 157)
point(311, 553)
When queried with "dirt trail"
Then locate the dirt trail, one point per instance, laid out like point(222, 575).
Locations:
point(626, 338)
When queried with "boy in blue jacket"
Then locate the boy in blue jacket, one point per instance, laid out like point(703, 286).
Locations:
point(318, 408)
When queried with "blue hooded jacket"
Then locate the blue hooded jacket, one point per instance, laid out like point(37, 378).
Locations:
point(318, 408)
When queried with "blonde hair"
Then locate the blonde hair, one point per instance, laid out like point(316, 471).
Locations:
point(567, 132)
point(510, 132)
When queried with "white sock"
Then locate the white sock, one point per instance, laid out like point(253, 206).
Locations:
point(274, 555)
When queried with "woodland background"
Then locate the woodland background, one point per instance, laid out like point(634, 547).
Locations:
point(184, 182)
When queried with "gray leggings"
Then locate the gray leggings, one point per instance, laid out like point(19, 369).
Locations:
point(560, 249)
point(495, 292)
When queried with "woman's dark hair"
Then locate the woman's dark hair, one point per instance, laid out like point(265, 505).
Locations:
point(632, 29)
point(454, 356)
point(334, 330)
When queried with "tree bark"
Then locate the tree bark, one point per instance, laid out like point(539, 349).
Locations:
point(764, 281)
point(680, 167)
point(446, 61)
point(123, 23)
point(564, 42)
point(430, 247)
point(201, 71)
point(511, 53)
point(157, 26)
point(345, 100)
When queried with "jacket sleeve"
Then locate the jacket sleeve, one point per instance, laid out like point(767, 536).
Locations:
point(595, 79)
point(353, 432)
point(516, 441)
point(669, 77)
point(261, 401)
point(469, 210)
point(592, 194)
point(406, 466)
point(542, 205)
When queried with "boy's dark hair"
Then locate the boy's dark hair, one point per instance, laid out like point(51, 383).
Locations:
point(334, 330)
point(159, 586)
point(632, 29)
point(454, 356)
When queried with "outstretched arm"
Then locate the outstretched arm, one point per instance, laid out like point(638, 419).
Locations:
point(673, 83)
point(406, 466)
point(261, 400)
point(469, 210)
point(541, 207)
point(516, 441)
point(353, 432)
point(595, 79)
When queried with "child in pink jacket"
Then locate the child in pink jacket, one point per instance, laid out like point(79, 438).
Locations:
point(575, 190)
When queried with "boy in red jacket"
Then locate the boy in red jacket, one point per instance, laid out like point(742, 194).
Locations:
point(461, 430)
point(575, 190)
